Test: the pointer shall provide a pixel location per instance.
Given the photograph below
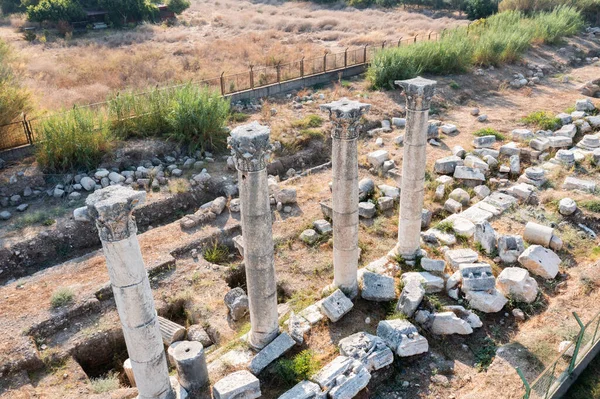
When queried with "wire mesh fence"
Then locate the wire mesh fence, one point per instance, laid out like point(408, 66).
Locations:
point(23, 132)
point(550, 380)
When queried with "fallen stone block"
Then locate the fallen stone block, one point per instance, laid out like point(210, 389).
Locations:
point(447, 165)
point(237, 303)
point(447, 323)
point(238, 385)
point(368, 349)
point(304, 390)
point(410, 298)
point(377, 287)
point(274, 350)
point(428, 281)
point(487, 302)
point(516, 283)
point(455, 257)
point(433, 265)
point(377, 158)
point(572, 183)
point(540, 261)
point(343, 377)
point(402, 337)
point(510, 247)
point(485, 235)
point(336, 305)
point(477, 277)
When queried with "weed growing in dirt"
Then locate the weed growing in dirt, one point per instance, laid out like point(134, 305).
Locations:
point(530, 309)
point(591, 205)
point(445, 226)
point(588, 285)
point(105, 384)
point(434, 302)
point(41, 217)
point(309, 121)
point(239, 117)
point(488, 131)
point(301, 367)
point(61, 297)
point(216, 253)
point(179, 186)
point(484, 354)
point(542, 120)
point(302, 299)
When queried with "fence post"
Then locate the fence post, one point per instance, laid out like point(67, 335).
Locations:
point(302, 67)
point(383, 45)
point(429, 38)
point(251, 76)
point(400, 41)
point(222, 84)
point(468, 27)
point(365, 54)
point(577, 344)
point(596, 331)
point(414, 41)
point(278, 72)
point(27, 129)
point(346, 57)
point(527, 387)
point(325, 62)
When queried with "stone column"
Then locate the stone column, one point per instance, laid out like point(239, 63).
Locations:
point(345, 115)
point(111, 209)
point(418, 93)
point(251, 149)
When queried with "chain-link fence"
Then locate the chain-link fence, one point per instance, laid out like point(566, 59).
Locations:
point(23, 132)
point(550, 380)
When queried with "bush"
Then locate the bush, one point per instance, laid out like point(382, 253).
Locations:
point(477, 9)
point(178, 6)
point(14, 100)
point(105, 384)
point(61, 297)
point(502, 38)
point(73, 140)
point(301, 367)
point(197, 118)
point(488, 131)
point(56, 10)
point(216, 253)
point(542, 120)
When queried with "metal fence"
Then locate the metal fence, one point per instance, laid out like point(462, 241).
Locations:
point(551, 379)
point(22, 132)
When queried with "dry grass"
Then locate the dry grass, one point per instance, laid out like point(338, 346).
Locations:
point(211, 37)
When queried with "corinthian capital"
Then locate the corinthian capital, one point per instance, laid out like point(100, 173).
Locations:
point(345, 115)
point(250, 146)
point(111, 208)
point(418, 92)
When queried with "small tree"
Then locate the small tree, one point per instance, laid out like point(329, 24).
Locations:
point(477, 9)
point(178, 6)
point(56, 10)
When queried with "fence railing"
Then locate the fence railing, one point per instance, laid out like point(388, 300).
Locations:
point(551, 379)
point(22, 132)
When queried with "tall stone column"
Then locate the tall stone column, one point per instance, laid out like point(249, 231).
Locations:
point(345, 115)
point(251, 149)
point(111, 209)
point(418, 93)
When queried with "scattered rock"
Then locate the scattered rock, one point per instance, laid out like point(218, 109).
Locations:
point(377, 287)
point(336, 305)
point(309, 236)
point(402, 337)
point(237, 303)
point(516, 283)
point(540, 261)
point(368, 349)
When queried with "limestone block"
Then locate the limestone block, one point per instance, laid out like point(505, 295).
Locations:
point(377, 158)
point(343, 377)
point(336, 305)
point(446, 323)
point(461, 196)
point(274, 350)
point(428, 281)
point(500, 200)
point(304, 390)
point(238, 243)
point(572, 183)
point(471, 318)
point(426, 216)
point(469, 175)
point(484, 141)
point(515, 282)
point(487, 302)
point(366, 210)
point(474, 162)
point(538, 234)
point(88, 183)
point(402, 337)
point(312, 314)
point(482, 191)
point(238, 385)
point(322, 226)
point(458, 151)
point(366, 187)
point(309, 236)
point(477, 277)
point(448, 128)
point(286, 195)
point(433, 265)
point(522, 134)
point(540, 143)
point(410, 298)
point(584, 105)
point(237, 303)
point(510, 247)
point(462, 255)
point(453, 206)
point(477, 213)
point(368, 349)
point(377, 287)
point(385, 203)
point(559, 142)
point(297, 327)
point(196, 332)
point(485, 235)
point(462, 226)
point(540, 261)
point(218, 205)
point(399, 122)
point(447, 165)
point(569, 130)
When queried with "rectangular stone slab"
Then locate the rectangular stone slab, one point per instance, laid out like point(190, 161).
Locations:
point(271, 352)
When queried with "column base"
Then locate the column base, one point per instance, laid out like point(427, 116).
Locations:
point(408, 256)
point(259, 344)
point(351, 292)
point(176, 391)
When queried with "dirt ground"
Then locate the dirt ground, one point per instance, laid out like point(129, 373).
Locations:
point(210, 37)
point(191, 290)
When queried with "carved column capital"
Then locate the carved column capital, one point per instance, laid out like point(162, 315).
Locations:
point(418, 92)
point(345, 115)
point(250, 146)
point(111, 208)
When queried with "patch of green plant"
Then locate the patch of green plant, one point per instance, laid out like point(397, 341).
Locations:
point(530, 309)
point(302, 299)
point(488, 131)
point(216, 253)
point(484, 354)
point(108, 383)
point(396, 316)
point(434, 301)
point(45, 217)
point(462, 238)
point(312, 134)
point(542, 120)
point(445, 226)
point(239, 117)
point(309, 121)
point(301, 367)
point(590, 205)
point(453, 85)
point(61, 297)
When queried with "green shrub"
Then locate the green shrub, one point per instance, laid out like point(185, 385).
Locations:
point(590, 205)
point(73, 140)
point(239, 117)
point(542, 120)
point(216, 253)
point(480, 8)
point(308, 122)
point(445, 226)
point(14, 100)
point(105, 384)
point(502, 38)
point(178, 6)
point(484, 354)
point(488, 131)
point(61, 297)
point(303, 366)
point(198, 117)
point(56, 10)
